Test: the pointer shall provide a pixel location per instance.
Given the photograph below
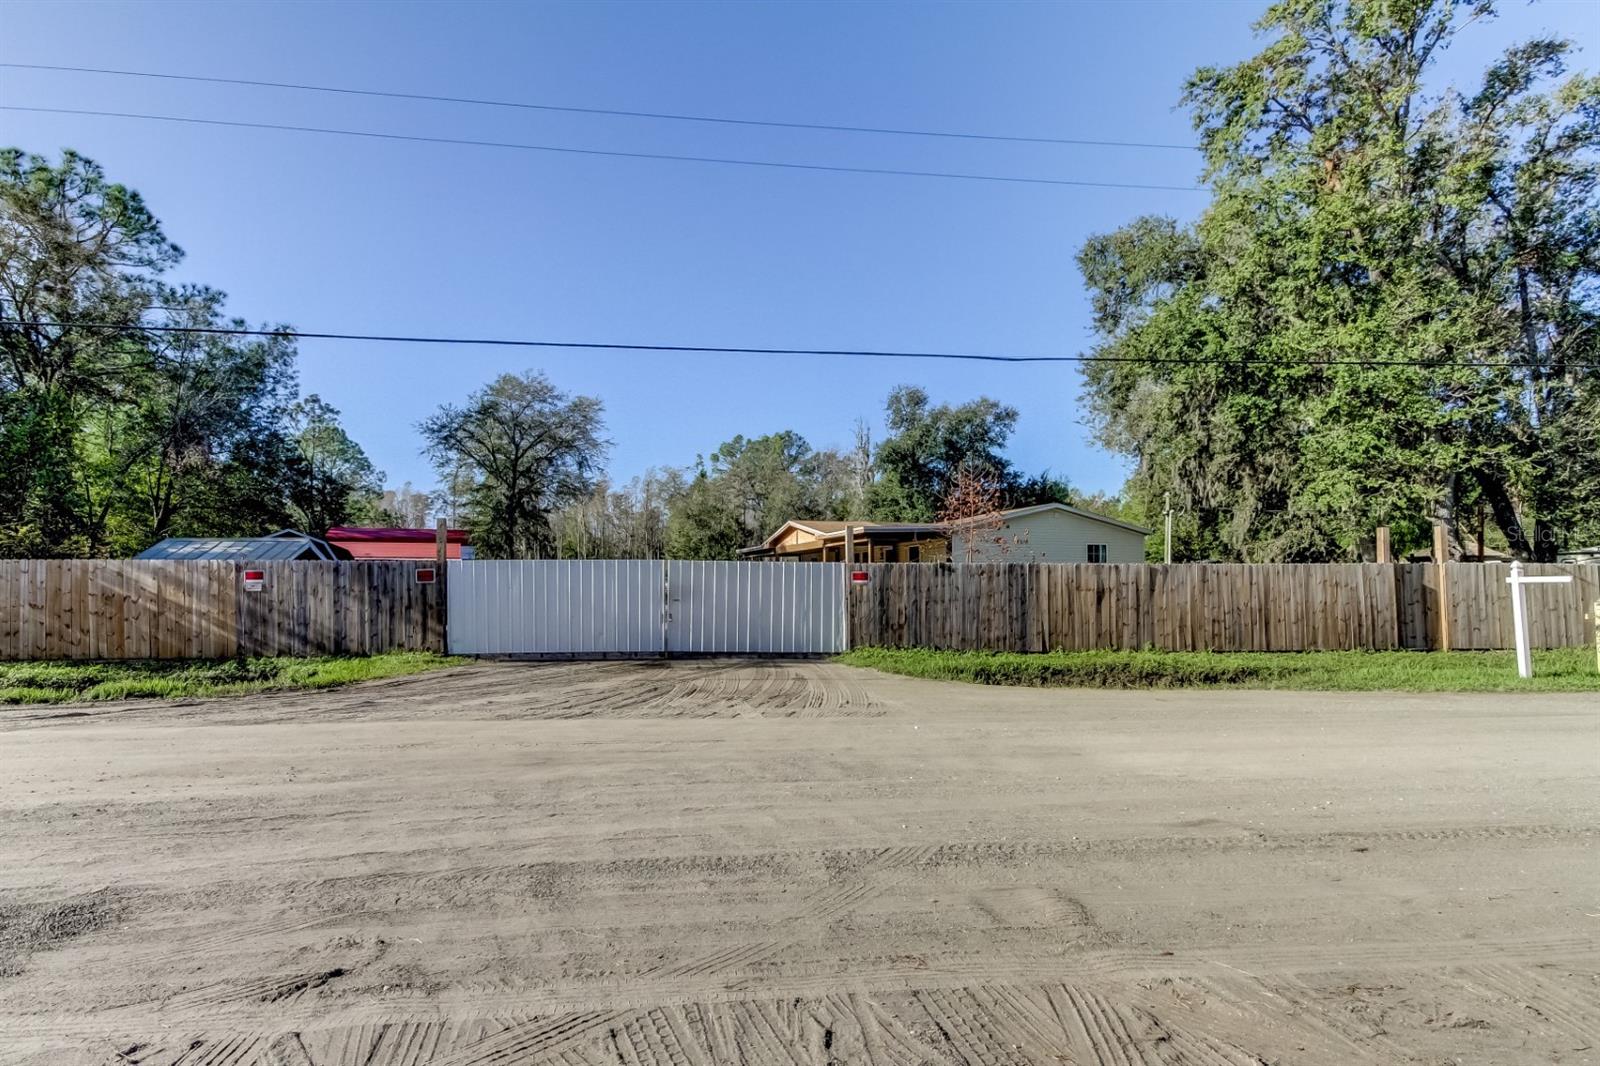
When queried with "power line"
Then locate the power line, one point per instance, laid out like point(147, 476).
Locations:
point(523, 105)
point(500, 342)
point(599, 151)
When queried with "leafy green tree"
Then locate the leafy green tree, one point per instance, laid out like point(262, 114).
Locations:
point(335, 481)
point(74, 248)
point(1040, 488)
point(746, 488)
point(194, 403)
point(749, 486)
point(530, 450)
point(702, 525)
point(928, 448)
point(245, 493)
point(1295, 368)
point(114, 433)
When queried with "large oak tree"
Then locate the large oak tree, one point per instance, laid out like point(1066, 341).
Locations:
point(528, 450)
point(1390, 306)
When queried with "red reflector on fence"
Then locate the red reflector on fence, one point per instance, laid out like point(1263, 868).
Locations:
point(425, 575)
point(860, 577)
point(255, 580)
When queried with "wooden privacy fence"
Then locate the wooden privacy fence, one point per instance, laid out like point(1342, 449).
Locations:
point(1035, 607)
point(148, 609)
point(109, 609)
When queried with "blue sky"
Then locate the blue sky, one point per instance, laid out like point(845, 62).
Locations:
point(355, 235)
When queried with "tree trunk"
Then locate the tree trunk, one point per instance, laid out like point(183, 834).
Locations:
point(1545, 546)
point(1444, 510)
point(1505, 514)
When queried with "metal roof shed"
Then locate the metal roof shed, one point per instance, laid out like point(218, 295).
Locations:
point(285, 544)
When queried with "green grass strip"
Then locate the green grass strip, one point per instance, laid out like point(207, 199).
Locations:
point(1560, 670)
point(65, 682)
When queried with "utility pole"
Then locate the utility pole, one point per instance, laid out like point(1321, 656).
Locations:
point(1168, 512)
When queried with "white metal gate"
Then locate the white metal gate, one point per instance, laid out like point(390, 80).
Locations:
point(632, 607)
point(755, 608)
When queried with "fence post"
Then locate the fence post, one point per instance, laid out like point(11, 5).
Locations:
point(1441, 556)
point(849, 567)
point(441, 576)
point(1384, 555)
point(1044, 601)
point(1519, 621)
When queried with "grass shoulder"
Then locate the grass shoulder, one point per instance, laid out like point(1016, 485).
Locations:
point(1560, 670)
point(71, 682)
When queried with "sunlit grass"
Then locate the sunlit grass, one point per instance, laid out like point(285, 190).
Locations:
point(1565, 669)
point(63, 682)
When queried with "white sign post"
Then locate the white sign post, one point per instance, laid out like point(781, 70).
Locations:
point(1519, 612)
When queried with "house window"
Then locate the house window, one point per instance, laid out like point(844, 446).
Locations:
point(913, 554)
point(1097, 553)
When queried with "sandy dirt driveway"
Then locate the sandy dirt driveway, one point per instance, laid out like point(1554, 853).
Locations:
point(702, 863)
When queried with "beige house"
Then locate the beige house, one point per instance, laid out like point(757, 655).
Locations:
point(1047, 533)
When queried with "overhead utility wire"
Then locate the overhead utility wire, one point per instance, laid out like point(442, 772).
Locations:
point(719, 119)
point(296, 334)
point(600, 151)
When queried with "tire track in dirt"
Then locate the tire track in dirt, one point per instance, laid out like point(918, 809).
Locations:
point(966, 1032)
point(823, 905)
point(1526, 991)
point(335, 899)
point(233, 934)
point(236, 1050)
point(701, 690)
point(880, 1029)
point(1221, 1020)
point(532, 690)
point(397, 1043)
point(760, 939)
point(862, 873)
point(286, 1050)
point(1402, 955)
point(658, 1036)
point(1249, 1003)
point(279, 989)
point(1210, 1001)
point(1357, 1033)
point(526, 1042)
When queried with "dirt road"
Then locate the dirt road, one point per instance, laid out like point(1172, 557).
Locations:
point(707, 863)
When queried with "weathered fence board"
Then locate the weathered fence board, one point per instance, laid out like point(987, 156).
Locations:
point(1479, 602)
point(162, 609)
point(1207, 606)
